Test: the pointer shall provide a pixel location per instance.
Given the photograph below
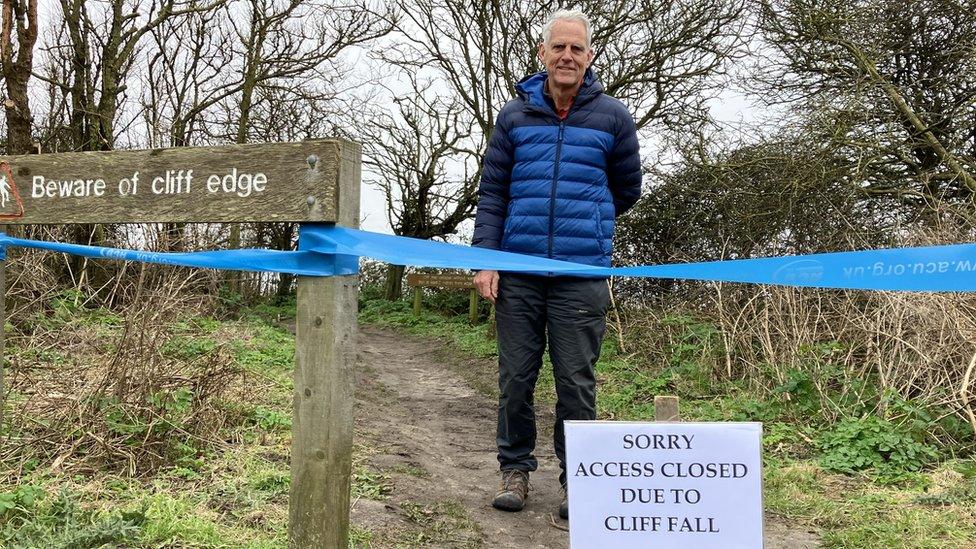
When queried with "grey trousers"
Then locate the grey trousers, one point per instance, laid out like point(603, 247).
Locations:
point(571, 313)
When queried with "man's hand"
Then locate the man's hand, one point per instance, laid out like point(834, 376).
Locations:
point(487, 284)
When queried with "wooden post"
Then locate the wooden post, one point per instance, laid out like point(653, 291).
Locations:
point(325, 356)
point(666, 408)
point(473, 307)
point(492, 331)
point(418, 293)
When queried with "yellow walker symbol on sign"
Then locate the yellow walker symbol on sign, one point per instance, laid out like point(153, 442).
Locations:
point(8, 191)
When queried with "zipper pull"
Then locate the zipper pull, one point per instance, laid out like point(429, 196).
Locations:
point(561, 127)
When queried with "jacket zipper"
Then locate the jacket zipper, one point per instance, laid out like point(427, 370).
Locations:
point(552, 194)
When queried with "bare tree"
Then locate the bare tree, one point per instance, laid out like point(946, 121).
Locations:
point(16, 65)
point(100, 48)
point(90, 60)
point(293, 113)
point(424, 166)
point(185, 75)
point(287, 44)
point(284, 45)
point(660, 57)
point(230, 75)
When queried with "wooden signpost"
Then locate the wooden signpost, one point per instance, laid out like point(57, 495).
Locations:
point(309, 182)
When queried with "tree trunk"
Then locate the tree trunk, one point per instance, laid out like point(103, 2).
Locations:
point(233, 278)
point(21, 18)
point(394, 282)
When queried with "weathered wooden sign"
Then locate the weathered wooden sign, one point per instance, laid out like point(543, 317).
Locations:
point(259, 182)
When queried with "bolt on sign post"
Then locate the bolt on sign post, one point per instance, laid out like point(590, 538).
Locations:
point(306, 182)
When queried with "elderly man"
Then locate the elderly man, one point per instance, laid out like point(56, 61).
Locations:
point(562, 163)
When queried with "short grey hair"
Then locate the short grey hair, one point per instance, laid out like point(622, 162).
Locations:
point(567, 15)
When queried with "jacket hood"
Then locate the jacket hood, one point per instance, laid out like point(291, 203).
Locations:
point(530, 89)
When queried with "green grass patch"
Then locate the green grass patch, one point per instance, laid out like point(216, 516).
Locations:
point(855, 512)
point(370, 484)
point(411, 469)
point(439, 524)
point(457, 332)
point(472, 340)
point(182, 521)
point(359, 537)
point(188, 348)
point(268, 352)
point(236, 499)
point(29, 518)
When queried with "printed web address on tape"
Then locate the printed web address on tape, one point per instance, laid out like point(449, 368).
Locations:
point(811, 270)
point(881, 268)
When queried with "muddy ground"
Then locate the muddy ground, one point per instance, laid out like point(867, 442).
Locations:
point(425, 424)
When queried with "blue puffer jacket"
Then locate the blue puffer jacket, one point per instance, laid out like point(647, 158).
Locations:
point(551, 187)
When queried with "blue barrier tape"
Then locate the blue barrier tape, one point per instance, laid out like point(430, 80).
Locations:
point(302, 262)
point(401, 250)
point(328, 250)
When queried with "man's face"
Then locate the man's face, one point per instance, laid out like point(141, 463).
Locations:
point(567, 55)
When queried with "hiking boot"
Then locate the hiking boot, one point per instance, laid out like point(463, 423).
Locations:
point(513, 491)
point(564, 507)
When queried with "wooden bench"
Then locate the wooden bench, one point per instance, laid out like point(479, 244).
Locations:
point(419, 281)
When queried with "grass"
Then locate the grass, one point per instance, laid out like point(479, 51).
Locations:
point(470, 341)
point(134, 514)
point(854, 512)
point(370, 484)
point(233, 492)
point(230, 494)
point(415, 470)
point(444, 523)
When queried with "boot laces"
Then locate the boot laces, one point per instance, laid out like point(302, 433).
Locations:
point(514, 478)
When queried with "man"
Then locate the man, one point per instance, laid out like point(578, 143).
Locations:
point(562, 163)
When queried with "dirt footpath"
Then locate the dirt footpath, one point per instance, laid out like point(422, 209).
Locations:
point(426, 425)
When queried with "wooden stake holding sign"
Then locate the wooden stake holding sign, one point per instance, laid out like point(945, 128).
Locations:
point(311, 181)
point(325, 355)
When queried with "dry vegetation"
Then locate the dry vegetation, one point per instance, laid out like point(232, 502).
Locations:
point(125, 388)
point(916, 346)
